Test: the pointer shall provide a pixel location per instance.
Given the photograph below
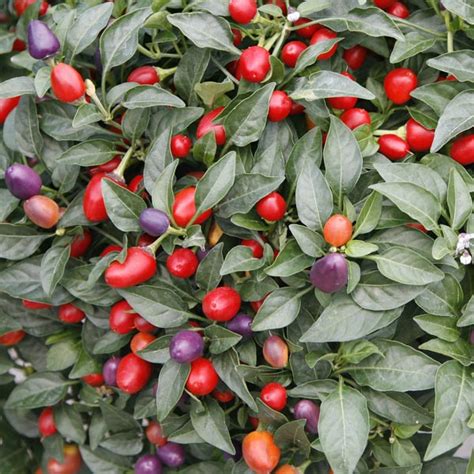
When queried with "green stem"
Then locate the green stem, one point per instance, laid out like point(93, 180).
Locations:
point(156, 244)
point(120, 170)
point(146, 52)
point(281, 40)
point(450, 37)
point(90, 91)
point(304, 25)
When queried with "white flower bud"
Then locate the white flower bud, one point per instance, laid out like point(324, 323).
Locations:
point(466, 258)
point(293, 16)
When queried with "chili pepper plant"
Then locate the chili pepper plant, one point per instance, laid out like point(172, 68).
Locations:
point(236, 236)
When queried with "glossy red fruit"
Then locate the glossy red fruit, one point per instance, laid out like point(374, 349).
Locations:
point(306, 31)
point(254, 64)
point(203, 378)
point(184, 208)
point(107, 167)
point(287, 469)
point(291, 52)
point(260, 452)
point(122, 318)
point(133, 373)
point(66, 83)
point(242, 11)
point(279, 107)
point(46, 424)
point(257, 249)
point(70, 314)
point(462, 150)
point(143, 325)
point(206, 125)
point(393, 147)
point(355, 57)
point(145, 240)
point(138, 267)
point(21, 5)
point(275, 352)
point(272, 207)
point(399, 9)
point(343, 103)
point(221, 304)
point(6, 106)
point(180, 146)
point(81, 243)
point(236, 37)
point(337, 230)
point(71, 463)
point(324, 34)
point(109, 249)
point(140, 341)
point(154, 434)
point(93, 201)
point(399, 83)
point(356, 117)
point(419, 138)
point(223, 396)
point(417, 226)
point(42, 211)
point(94, 380)
point(11, 338)
point(296, 108)
point(144, 75)
point(182, 263)
point(136, 183)
point(35, 305)
point(274, 395)
point(384, 4)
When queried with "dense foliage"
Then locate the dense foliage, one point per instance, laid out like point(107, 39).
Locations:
point(235, 237)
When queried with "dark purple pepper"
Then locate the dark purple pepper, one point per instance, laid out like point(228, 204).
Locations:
point(201, 254)
point(238, 452)
point(22, 181)
point(98, 61)
point(186, 346)
point(241, 324)
point(148, 464)
point(154, 222)
point(330, 273)
point(183, 403)
point(42, 42)
point(109, 371)
point(309, 411)
point(171, 454)
point(471, 337)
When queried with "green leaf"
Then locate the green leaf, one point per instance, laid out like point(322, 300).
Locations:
point(442, 298)
point(62, 355)
point(221, 339)
point(356, 351)
point(157, 351)
point(205, 30)
point(413, 200)
point(208, 273)
point(244, 124)
point(53, 266)
point(240, 259)
point(27, 133)
point(69, 423)
point(462, 8)
point(18, 241)
point(438, 94)
point(438, 326)
point(190, 72)
point(216, 183)
point(116, 419)
point(407, 267)
point(369, 215)
point(292, 435)
point(289, 261)
point(310, 242)
point(344, 428)
point(315, 390)
point(208, 420)
point(307, 58)
point(324, 84)
point(142, 97)
point(453, 407)
point(459, 200)
point(399, 407)
point(460, 350)
point(159, 306)
point(171, 384)
point(247, 190)
point(458, 63)
point(119, 41)
point(123, 206)
point(38, 390)
point(405, 453)
point(126, 443)
point(458, 116)
point(400, 369)
point(162, 195)
point(85, 115)
point(343, 320)
point(359, 248)
point(342, 159)
point(101, 460)
point(17, 86)
point(279, 309)
point(414, 43)
point(86, 28)
point(467, 318)
point(134, 123)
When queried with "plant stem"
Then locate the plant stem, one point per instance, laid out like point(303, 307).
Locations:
point(120, 170)
point(146, 52)
point(156, 244)
point(282, 38)
point(450, 37)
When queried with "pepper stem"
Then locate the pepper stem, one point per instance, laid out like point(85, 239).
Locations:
point(120, 170)
point(164, 73)
point(91, 92)
point(156, 244)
